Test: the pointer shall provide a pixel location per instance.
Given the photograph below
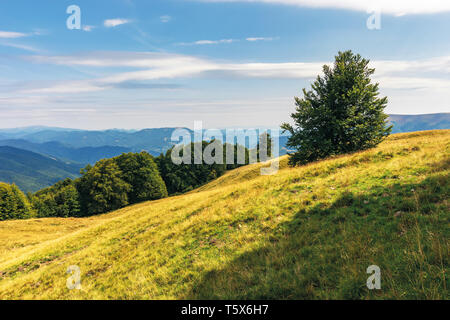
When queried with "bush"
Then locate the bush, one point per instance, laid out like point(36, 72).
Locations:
point(13, 203)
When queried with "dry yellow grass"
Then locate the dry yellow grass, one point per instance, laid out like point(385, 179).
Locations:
point(306, 232)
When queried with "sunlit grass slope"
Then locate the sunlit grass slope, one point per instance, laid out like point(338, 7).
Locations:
point(305, 233)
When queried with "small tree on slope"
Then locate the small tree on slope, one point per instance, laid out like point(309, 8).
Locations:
point(342, 113)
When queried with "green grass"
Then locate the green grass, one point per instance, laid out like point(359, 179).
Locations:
point(305, 233)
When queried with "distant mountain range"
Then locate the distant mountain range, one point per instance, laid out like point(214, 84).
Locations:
point(57, 153)
point(410, 123)
point(31, 171)
point(58, 150)
point(154, 141)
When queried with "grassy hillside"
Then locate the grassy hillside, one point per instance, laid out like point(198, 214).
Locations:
point(305, 233)
point(31, 171)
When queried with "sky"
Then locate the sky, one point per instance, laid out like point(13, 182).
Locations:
point(136, 64)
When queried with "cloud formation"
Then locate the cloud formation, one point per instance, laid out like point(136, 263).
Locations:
point(254, 39)
point(110, 23)
point(165, 18)
point(88, 28)
point(11, 35)
point(398, 74)
point(206, 42)
point(21, 46)
point(393, 7)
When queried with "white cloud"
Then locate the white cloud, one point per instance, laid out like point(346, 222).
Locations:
point(11, 35)
point(20, 46)
point(254, 39)
point(115, 22)
point(394, 7)
point(206, 42)
point(209, 42)
point(165, 19)
point(402, 74)
point(88, 28)
point(66, 87)
point(413, 83)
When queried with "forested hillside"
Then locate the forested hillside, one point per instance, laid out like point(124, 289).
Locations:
point(31, 171)
point(85, 155)
point(111, 184)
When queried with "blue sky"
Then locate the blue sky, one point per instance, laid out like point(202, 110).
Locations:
point(140, 64)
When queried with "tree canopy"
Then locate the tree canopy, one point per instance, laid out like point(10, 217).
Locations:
point(108, 185)
point(184, 177)
point(13, 203)
point(59, 200)
point(341, 113)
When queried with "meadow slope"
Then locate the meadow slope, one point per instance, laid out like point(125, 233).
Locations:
point(308, 232)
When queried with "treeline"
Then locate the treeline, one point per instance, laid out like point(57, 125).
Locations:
point(13, 203)
point(108, 185)
point(117, 182)
point(180, 178)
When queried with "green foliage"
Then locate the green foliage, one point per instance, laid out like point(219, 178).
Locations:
point(102, 188)
point(181, 178)
point(127, 179)
point(108, 185)
point(13, 203)
point(60, 200)
point(341, 114)
point(141, 173)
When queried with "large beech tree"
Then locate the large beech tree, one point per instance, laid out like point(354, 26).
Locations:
point(341, 113)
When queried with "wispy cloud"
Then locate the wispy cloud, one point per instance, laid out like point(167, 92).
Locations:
point(221, 41)
point(21, 46)
point(15, 35)
point(88, 28)
point(12, 35)
point(394, 7)
point(109, 23)
point(402, 74)
point(206, 42)
point(146, 85)
point(165, 18)
point(254, 39)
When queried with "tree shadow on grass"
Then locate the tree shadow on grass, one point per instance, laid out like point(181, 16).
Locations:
point(324, 251)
